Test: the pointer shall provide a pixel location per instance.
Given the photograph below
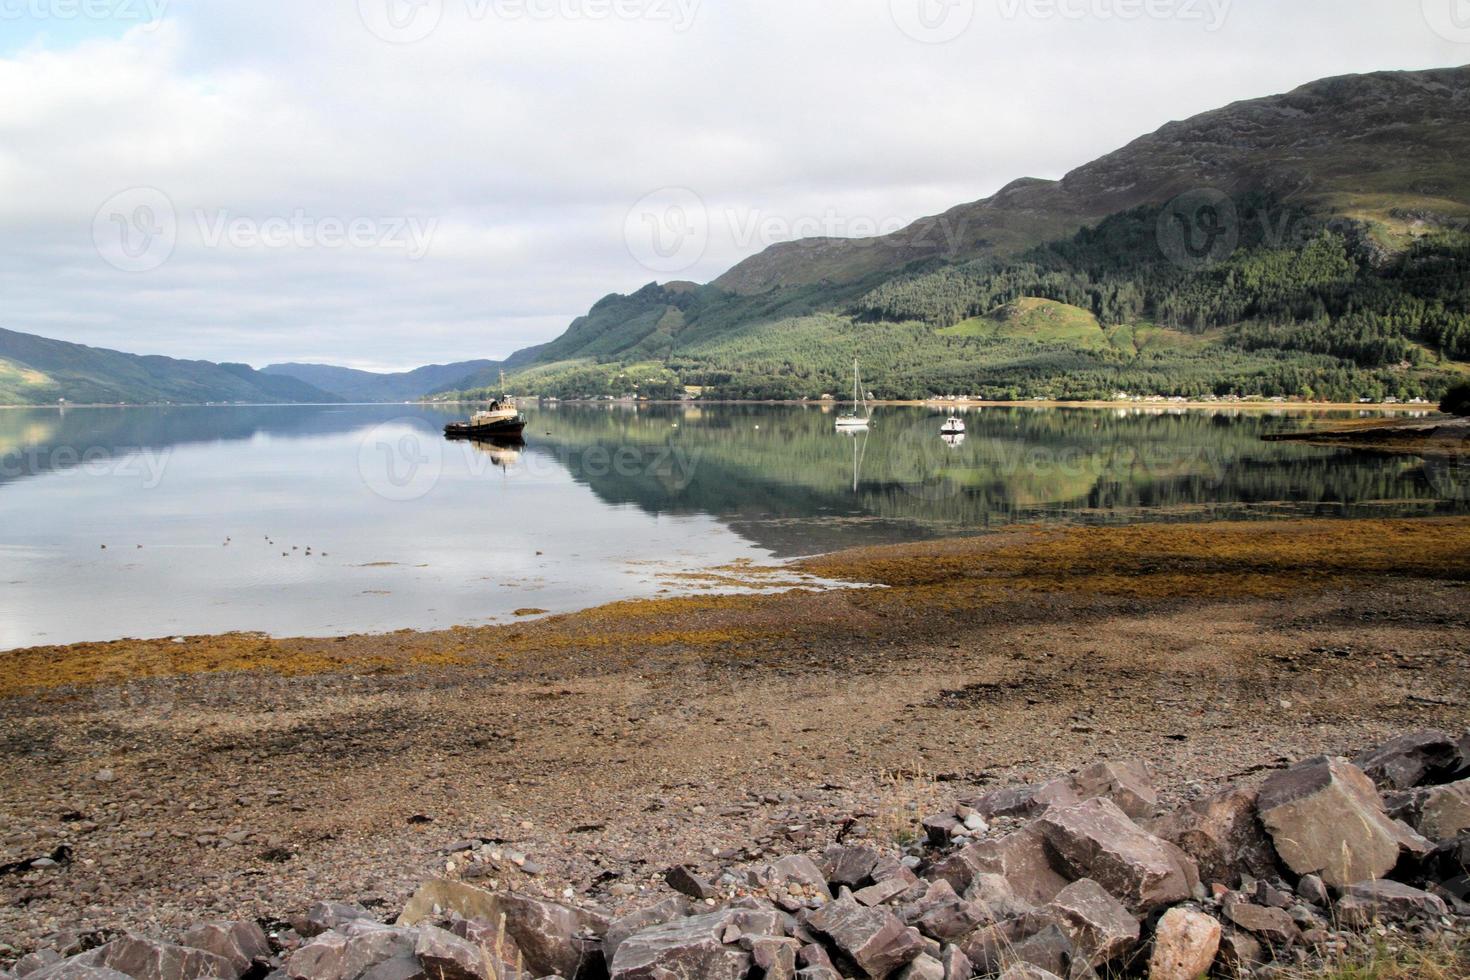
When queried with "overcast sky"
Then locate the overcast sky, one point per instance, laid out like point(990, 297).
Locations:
point(387, 183)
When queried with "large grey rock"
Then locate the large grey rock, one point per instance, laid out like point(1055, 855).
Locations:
point(1240, 955)
point(1411, 760)
point(554, 939)
point(1099, 926)
point(148, 959)
point(1325, 818)
point(1051, 950)
point(1367, 902)
point(1128, 784)
point(76, 968)
point(957, 965)
point(1097, 840)
point(694, 947)
point(1444, 811)
point(242, 943)
point(994, 894)
point(1185, 945)
point(621, 928)
point(1021, 858)
point(350, 953)
point(923, 967)
point(1223, 835)
point(446, 956)
point(850, 865)
point(798, 869)
point(39, 960)
point(945, 916)
point(874, 940)
point(774, 957)
point(325, 916)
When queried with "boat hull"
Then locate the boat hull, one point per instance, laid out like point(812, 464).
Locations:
point(510, 428)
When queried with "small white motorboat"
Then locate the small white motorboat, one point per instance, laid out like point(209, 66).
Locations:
point(953, 426)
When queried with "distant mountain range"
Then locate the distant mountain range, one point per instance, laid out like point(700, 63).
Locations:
point(35, 370)
point(1314, 244)
point(366, 386)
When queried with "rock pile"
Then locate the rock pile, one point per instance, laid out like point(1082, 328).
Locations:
point(1058, 880)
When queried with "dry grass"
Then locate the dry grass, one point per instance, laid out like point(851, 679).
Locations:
point(904, 798)
point(1446, 959)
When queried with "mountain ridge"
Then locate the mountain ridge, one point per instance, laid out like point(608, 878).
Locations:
point(1029, 211)
point(40, 370)
point(1372, 162)
point(369, 386)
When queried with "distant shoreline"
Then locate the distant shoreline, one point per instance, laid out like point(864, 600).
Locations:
point(962, 403)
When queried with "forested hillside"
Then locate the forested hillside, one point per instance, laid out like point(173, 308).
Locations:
point(1322, 312)
point(1337, 268)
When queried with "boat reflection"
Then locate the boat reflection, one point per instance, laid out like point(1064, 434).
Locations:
point(504, 453)
point(953, 440)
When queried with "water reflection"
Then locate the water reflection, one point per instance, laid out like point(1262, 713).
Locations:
point(200, 508)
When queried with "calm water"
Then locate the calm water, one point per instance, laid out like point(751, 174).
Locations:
point(318, 521)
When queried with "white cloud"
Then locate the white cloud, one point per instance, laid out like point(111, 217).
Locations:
point(524, 140)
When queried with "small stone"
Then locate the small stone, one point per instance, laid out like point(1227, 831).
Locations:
point(683, 880)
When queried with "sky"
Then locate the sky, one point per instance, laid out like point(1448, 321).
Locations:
point(388, 183)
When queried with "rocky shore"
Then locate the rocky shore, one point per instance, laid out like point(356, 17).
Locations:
point(616, 760)
point(1061, 879)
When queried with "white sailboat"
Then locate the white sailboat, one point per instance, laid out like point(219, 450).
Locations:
point(863, 417)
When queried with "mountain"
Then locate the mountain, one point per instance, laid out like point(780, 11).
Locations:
point(36, 370)
point(366, 386)
point(1372, 146)
point(1312, 244)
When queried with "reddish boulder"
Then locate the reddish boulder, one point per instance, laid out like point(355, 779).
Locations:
point(1097, 840)
point(1325, 818)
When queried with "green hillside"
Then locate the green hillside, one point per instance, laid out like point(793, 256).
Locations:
point(1345, 274)
point(1035, 320)
point(36, 370)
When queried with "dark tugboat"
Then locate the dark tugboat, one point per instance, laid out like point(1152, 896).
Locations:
point(501, 421)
